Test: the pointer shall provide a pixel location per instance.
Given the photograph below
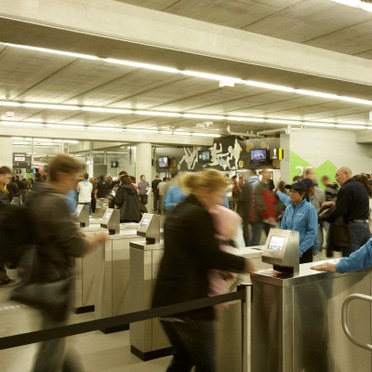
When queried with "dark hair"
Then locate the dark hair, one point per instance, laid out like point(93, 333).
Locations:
point(63, 163)
point(5, 170)
point(86, 176)
point(363, 179)
point(125, 179)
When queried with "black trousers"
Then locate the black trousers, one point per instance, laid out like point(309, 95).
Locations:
point(307, 256)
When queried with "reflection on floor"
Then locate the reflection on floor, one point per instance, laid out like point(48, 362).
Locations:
point(99, 352)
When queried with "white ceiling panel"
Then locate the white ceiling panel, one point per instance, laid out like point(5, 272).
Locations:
point(31, 76)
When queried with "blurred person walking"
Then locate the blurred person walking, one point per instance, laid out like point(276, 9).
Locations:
point(143, 189)
point(5, 177)
point(58, 241)
point(126, 199)
point(84, 189)
point(247, 207)
point(191, 249)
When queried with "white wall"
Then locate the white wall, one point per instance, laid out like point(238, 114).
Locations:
point(318, 145)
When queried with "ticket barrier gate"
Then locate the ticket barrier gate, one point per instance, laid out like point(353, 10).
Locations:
point(296, 317)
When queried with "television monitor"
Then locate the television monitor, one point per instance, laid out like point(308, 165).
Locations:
point(204, 156)
point(258, 156)
point(163, 162)
point(114, 164)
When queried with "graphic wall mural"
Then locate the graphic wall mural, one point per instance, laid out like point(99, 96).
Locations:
point(298, 166)
point(228, 154)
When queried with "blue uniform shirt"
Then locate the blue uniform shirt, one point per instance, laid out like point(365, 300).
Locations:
point(358, 260)
point(304, 219)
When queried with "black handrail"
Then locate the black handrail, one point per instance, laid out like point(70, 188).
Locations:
point(115, 321)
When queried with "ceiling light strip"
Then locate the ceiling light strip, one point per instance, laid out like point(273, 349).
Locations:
point(203, 75)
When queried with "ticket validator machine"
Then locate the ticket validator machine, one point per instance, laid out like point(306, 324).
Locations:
point(111, 221)
point(149, 228)
point(82, 215)
point(147, 338)
point(282, 251)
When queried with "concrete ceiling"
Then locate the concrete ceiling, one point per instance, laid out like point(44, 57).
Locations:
point(32, 76)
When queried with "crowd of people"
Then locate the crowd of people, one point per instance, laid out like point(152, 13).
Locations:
point(203, 212)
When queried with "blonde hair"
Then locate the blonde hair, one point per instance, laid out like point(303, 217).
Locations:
point(188, 182)
point(211, 179)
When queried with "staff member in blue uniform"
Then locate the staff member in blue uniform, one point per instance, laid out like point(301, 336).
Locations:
point(301, 216)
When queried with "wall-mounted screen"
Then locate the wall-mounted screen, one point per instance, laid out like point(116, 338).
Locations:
point(258, 156)
point(276, 243)
point(204, 156)
point(163, 162)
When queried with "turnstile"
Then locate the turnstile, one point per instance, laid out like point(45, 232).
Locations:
point(296, 321)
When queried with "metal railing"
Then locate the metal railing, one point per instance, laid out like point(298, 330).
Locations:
point(344, 310)
point(115, 321)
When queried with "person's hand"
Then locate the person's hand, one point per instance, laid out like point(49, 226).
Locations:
point(249, 267)
point(327, 266)
point(100, 238)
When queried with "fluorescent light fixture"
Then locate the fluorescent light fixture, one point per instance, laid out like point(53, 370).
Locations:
point(203, 116)
point(133, 130)
point(205, 135)
point(355, 4)
point(245, 119)
point(10, 104)
point(181, 133)
point(50, 106)
point(20, 124)
point(203, 75)
point(54, 51)
point(105, 110)
point(259, 84)
point(157, 113)
point(106, 129)
point(65, 126)
point(147, 66)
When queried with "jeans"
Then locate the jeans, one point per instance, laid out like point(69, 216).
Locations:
point(194, 344)
point(359, 235)
point(256, 233)
point(52, 356)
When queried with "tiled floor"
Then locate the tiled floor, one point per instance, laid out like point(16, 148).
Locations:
point(99, 352)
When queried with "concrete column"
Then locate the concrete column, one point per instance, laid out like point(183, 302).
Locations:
point(144, 166)
point(6, 152)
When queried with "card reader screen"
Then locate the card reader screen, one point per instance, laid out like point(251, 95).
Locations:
point(276, 243)
point(145, 222)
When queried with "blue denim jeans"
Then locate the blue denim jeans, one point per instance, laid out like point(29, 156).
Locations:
point(359, 235)
point(194, 345)
point(256, 233)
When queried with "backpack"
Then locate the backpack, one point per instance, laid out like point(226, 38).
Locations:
point(16, 232)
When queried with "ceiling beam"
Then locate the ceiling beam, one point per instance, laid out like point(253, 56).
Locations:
point(136, 31)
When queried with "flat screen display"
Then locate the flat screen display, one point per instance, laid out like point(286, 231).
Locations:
point(163, 162)
point(276, 243)
point(145, 223)
point(107, 215)
point(258, 156)
point(204, 156)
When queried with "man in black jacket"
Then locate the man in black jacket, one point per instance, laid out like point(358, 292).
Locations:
point(352, 205)
point(191, 249)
